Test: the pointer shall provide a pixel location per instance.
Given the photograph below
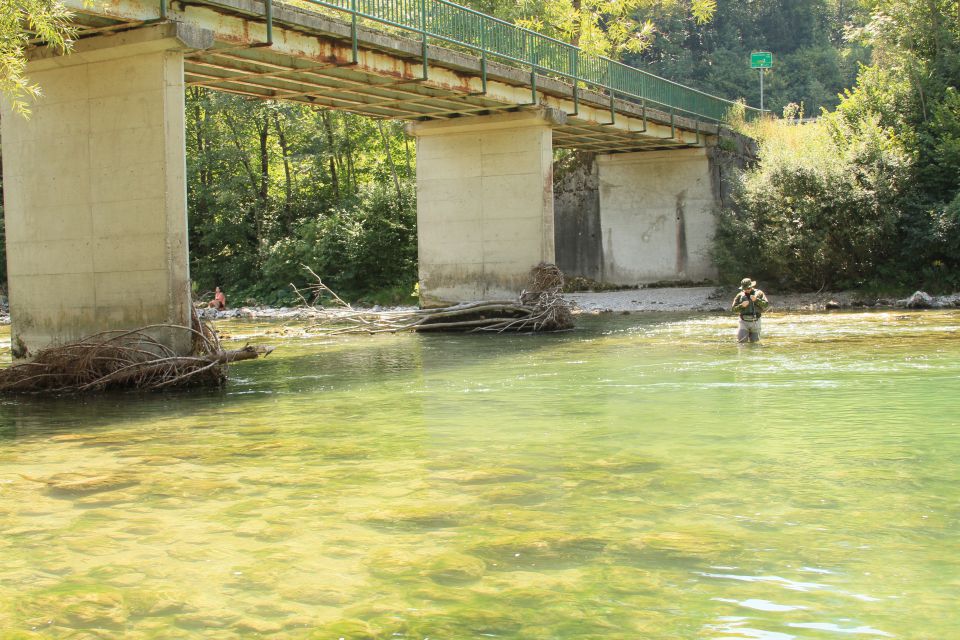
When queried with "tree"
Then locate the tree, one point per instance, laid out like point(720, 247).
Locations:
point(274, 185)
point(600, 27)
point(22, 23)
point(813, 62)
point(870, 194)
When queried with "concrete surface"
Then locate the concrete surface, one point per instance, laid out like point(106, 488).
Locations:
point(484, 204)
point(95, 197)
point(656, 216)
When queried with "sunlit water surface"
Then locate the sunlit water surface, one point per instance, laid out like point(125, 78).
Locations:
point(640, 477)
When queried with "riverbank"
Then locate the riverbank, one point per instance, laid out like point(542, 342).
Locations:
point(717, 300)
point(664, 299)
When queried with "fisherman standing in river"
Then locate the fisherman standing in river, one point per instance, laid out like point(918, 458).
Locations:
point(750, 303)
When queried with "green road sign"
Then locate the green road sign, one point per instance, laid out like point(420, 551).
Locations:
point(761, 60)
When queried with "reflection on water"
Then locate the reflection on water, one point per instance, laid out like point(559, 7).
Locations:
point(641, 477)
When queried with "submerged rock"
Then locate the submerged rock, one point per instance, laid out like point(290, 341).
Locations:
point(79, 484)
point(468, 621)
point(79, 606)
point(487, 476)
point(543, 550)
point(520, 494)
point(456, 568)
point(146, 603)
point(257, 626)
point(347, 628)
point(693, 545)
point(415, 517)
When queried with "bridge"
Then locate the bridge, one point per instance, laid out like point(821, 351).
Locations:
point(95, 180)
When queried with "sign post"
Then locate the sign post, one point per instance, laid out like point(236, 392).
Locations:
point(761, 60)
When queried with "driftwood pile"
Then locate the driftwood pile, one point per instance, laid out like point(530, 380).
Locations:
point(121, 360)
point(539, 308)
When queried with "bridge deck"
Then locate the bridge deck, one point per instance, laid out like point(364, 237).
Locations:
point(305, 56)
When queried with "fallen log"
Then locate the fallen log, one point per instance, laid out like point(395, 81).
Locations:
point(541, 308)
point(116, 360)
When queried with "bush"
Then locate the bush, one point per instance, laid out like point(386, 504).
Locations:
point(822, 209)
point(359, 250)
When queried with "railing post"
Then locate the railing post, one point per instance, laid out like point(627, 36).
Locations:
point(613, 109)
point(483, 57)
point(533, 67)
point(423, 35)
point(354, 37)
point(574, 67)
point(163, 9)
point(268, 5)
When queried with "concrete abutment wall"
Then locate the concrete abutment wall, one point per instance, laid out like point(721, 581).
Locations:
point(95, 194)
point(656, 212)
point(639, 218)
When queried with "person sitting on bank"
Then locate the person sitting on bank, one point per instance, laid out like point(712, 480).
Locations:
point(750, 303)
point(219, 301)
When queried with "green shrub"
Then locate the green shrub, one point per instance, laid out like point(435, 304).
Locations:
point(366, 248)
point(822, 208)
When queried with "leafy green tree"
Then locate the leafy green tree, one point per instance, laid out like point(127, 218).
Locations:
point(599, 27)
point(813, 62)
point(912, 87)
point(823, 208)
point(23, 22)
point(871, 194)
point(274, 186)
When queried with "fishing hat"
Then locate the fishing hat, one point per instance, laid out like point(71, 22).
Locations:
point(747, 283)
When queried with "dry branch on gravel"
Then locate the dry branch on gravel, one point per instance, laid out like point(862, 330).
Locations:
point(126, 360)
point(539, 308)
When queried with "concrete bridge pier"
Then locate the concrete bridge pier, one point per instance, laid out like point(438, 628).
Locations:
point(484, 204)
point(95, 191)
point(656, 216)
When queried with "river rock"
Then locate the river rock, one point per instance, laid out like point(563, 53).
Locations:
point(394, 563)
point(207, 619)
point(831, 304)
point(147, 603)
point(520, 494)
point(79, 607)
point(437, 516)
point(540, 550)
point(78, 484)
point(347, 628)
point(488, 476)
point(257, 626)
point(919, 300)
point(456, 568)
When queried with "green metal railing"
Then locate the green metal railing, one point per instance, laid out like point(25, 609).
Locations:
point(491, 37)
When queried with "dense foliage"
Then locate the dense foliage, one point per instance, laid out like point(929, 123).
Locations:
point(601, 27)
point(813, 60)
point(869, 195)
point(275, 186)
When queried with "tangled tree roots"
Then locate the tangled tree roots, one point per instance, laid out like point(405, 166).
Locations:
point(540, 308)
point(126, 360)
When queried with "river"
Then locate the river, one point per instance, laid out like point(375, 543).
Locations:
point(641, 477)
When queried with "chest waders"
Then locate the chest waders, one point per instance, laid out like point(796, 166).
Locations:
point(751, 313)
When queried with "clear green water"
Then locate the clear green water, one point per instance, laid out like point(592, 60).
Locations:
point(641, 477)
